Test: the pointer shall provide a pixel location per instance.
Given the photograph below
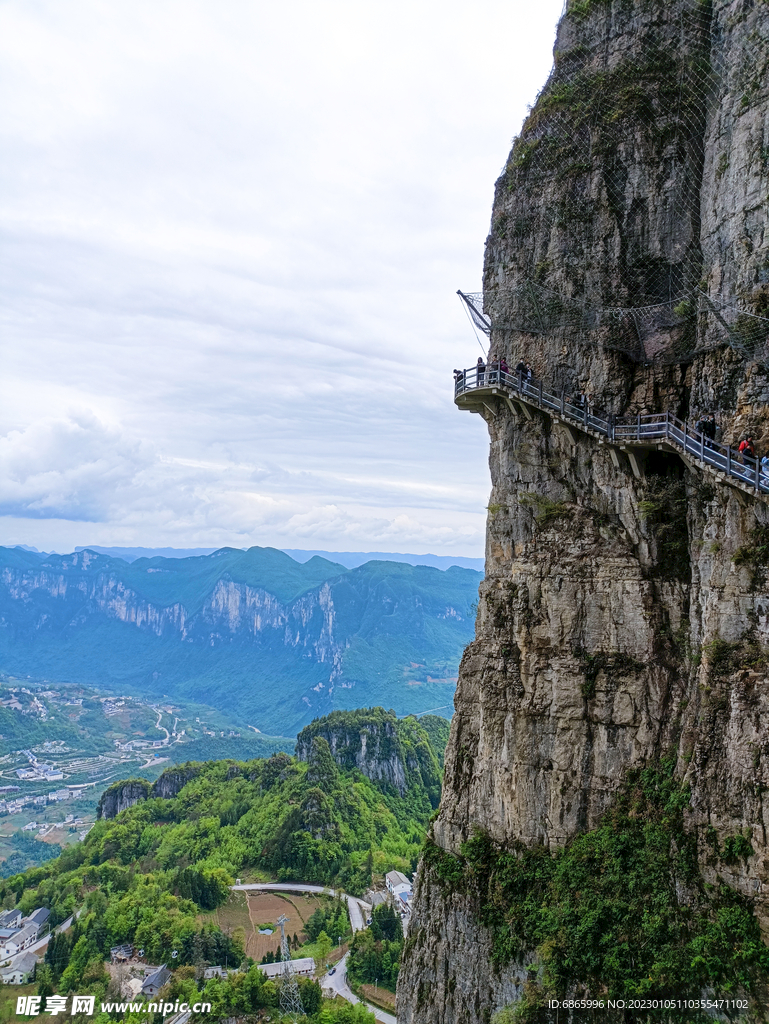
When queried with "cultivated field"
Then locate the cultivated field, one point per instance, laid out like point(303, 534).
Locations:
point(252, 911)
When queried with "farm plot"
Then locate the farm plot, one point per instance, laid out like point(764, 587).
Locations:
point(246, 914)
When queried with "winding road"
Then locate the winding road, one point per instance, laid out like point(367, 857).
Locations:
point(358, 910)
point(338, 983)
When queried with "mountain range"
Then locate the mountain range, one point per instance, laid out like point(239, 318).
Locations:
point(256, 633)
point(349, 559)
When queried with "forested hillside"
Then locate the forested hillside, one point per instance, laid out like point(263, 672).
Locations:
point(252, 632)
point(149, 874)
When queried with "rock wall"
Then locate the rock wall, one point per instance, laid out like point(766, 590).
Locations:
point(623, 619)
point(395, 753)
point(122, 795)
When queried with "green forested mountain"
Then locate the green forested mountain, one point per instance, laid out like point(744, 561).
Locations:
point(253, 632)
point(147, 875)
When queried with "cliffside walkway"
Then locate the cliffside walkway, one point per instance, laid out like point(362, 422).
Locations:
point(474, 390)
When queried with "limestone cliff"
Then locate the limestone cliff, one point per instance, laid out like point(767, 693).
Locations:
point(395, 753)
point(624, 618)
point(125, 793)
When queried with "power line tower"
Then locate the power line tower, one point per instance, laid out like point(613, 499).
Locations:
point(290, 1000)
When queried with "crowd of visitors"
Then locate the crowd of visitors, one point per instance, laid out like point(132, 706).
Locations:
point(498, 371)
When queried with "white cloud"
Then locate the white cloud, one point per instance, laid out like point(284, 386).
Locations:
point(232, 234)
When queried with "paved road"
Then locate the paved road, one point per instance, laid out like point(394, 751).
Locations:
point(359, 910)
point(338, 982)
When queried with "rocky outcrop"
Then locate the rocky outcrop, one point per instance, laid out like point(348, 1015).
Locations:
point(624, 618)
point(121, 795)
point(173, 780)
point(395, 753)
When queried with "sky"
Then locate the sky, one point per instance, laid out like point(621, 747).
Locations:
point(231, 239)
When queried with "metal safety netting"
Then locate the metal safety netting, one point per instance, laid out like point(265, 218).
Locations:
point(633, 211)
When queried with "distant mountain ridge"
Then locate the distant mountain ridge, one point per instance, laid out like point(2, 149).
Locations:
point(349, 559)
point(277, 641)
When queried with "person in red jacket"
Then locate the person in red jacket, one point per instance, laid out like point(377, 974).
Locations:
point(747, 450)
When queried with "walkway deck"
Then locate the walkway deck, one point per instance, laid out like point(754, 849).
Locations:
point(475, 390)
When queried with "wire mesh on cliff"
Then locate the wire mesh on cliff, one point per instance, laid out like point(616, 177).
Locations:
point(633, 210)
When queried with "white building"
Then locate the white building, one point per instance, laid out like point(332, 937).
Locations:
point(304, 967)
point(21, 972)
point(397, 883)
point(38, 919)
point(18, 941)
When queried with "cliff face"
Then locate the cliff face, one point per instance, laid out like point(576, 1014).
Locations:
point(122, 795)
point(395, 753)
point(624, 619)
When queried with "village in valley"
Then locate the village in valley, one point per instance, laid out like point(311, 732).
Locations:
point(78, 741)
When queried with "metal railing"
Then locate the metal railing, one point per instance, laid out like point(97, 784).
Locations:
point(621, 430)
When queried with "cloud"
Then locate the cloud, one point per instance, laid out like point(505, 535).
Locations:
point(231, 238)
point(71, 468)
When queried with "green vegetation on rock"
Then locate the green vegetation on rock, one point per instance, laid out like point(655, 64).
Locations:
point(145, 875)
point(622, 910)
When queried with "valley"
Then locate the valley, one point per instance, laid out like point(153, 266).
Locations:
point(60, 748)
point(164, 875)
point(252, 633)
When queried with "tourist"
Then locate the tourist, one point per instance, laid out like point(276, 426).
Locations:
point(480, 370)
point(747, 450)
point(712, 426)
point(503, 367)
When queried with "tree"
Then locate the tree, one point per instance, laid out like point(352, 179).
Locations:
point(44, 979)
point(322, 770)
point(311, 994)
point(324, 947)
point(385, 923)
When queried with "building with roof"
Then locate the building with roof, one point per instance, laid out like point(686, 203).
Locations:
point(304, 967)
point(18, 941)
point(397, 883)
point(21, 971)
point(10, 919)
point(38, 918)
point(155, 981)
point(214, 972)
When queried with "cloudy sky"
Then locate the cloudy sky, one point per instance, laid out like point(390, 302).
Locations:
point(232, 233)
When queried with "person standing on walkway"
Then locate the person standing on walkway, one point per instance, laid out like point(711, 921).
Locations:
point(710, 430)
point(747, 450)
point(480, 369)
point(520, 373)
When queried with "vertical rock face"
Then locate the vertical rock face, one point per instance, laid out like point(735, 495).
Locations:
point(623, 619)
